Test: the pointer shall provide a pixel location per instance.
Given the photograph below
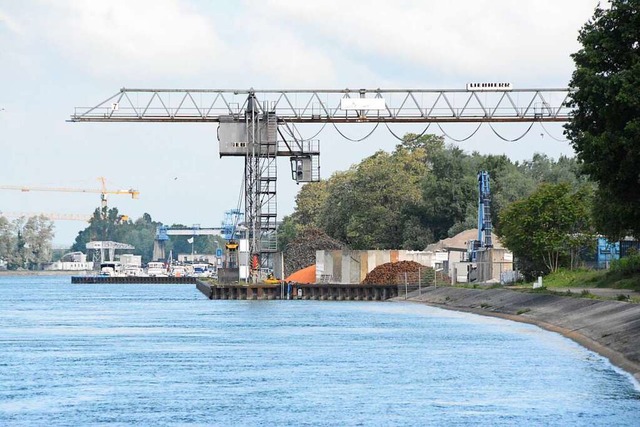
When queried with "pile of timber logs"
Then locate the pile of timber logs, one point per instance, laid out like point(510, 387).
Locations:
point(301, 252)
point(391, 272)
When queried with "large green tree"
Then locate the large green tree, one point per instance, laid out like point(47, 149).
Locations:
point(110, 225)
point(8, 241)
point(103, 225)
point(449, 192)
point(309, 201)
point(419, 193)
point(26, 242)
point(604, 127)
point(548, 229)
point(38, 237)
point(370, 205)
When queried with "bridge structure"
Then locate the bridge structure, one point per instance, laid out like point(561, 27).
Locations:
point(260, 125)
point(107, 248)
point(163, 232)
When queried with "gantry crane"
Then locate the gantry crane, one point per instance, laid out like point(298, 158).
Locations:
point(259, 126)
point(103, 191)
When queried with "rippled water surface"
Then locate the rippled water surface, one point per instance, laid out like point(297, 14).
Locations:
point(165, 355)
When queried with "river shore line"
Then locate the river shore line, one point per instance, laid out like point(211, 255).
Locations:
point(609, 328)
point(44, 272)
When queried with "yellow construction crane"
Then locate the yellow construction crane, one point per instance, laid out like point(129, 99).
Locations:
point(53, 216)
point(102, 191)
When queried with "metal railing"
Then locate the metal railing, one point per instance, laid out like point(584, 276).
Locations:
point(416, 281)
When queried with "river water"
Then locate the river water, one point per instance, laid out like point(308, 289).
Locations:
point(147, 355)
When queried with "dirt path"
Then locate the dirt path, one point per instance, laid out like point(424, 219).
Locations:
point(601, 292)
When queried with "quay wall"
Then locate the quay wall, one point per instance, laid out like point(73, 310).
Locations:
point(133, 279)
point(323, 291)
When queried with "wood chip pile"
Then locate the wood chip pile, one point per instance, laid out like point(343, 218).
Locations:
point(301, 252)
point(389, 273)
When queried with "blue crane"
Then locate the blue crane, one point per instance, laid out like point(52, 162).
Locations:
point(231, 219)
point(484, 218)
point(484, 210)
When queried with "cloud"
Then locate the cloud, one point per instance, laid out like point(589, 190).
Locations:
point(311, 44)
point(481, 38)
point(283, 59)
point(143, 36)
point(9, 23)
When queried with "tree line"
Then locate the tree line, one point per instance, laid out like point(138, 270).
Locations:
point(425, 191)
point(27, 243)
point(108, 224)
point(421, 192)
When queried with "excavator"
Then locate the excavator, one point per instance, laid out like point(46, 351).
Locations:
point(272, 280)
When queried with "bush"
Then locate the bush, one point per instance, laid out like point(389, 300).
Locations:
point(586, 294)
point(627, 266)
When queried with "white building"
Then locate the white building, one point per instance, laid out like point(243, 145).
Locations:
point(73, 261)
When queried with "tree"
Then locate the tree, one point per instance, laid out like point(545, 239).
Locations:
point(26, 242)
point(449, 191)
point(309, 200)
point(37, 234)
point(110, 225)
point(419, 193)
point(287, 232)
point(547, 229)
point(369, 205)
point(103, 225)
point(8, 241)
point(604, 127)
point(339, 204)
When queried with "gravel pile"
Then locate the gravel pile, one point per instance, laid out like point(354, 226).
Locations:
point(389, 273)
point(301, 252)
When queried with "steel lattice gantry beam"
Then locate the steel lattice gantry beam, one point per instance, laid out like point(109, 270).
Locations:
point(322, 106)
point(251, 120)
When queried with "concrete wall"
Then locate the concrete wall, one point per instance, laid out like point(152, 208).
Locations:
point(351, 267)
point(491, 263)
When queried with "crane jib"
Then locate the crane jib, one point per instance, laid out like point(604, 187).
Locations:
point(336, 106)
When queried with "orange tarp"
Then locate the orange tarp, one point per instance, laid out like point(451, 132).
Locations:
point(306, 275)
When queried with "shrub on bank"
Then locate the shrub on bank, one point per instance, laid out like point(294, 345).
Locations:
point(627, 266)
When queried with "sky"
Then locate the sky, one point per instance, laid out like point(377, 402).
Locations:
point(56, 55)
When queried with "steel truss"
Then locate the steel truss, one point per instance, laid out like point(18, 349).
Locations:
point(323, 106)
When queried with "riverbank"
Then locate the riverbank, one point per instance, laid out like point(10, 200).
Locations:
point(610, 328)
point(44, 272)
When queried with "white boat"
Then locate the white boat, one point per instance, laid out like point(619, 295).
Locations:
point(156, 269)
point(111, 269)
point(181, 270)
point(204, 270)
point(134, 271)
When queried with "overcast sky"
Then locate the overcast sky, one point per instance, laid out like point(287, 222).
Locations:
point(59, 54)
